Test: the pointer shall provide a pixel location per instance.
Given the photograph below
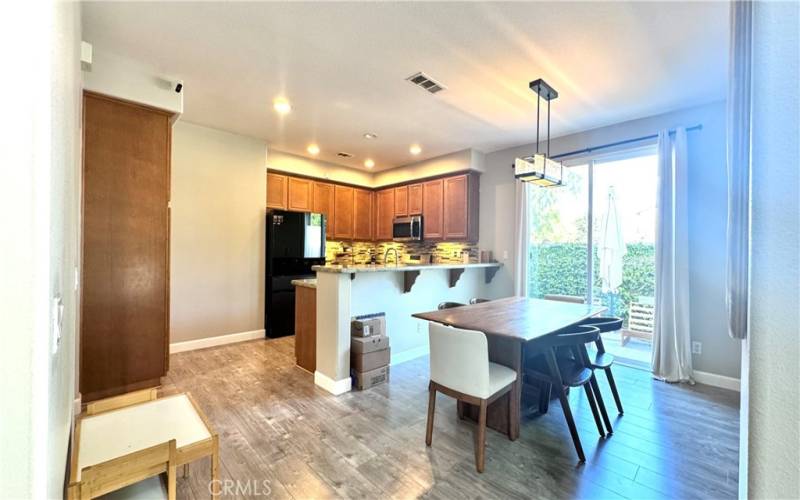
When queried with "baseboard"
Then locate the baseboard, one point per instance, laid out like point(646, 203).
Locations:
point(335, 387)
point(717, 380)
point(191, 345)
point(402, 357)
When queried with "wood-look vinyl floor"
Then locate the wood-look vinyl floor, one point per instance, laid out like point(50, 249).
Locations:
point(282, 437)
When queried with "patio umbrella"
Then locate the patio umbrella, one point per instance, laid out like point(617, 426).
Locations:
point(611, 248)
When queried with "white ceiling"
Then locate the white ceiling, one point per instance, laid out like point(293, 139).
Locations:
point(343, 67)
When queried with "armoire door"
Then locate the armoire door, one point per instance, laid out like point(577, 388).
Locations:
point(125, 263)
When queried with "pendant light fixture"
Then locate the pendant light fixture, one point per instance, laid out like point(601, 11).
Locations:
point(539, 168)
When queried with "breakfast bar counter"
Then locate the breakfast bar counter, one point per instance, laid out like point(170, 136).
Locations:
point(396, 291)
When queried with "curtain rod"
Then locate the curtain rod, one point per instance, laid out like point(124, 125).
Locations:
point(620, 143)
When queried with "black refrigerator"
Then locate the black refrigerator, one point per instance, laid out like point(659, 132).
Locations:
point(295, 242)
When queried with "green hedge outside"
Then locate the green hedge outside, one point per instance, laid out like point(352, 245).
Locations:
point(560, 268)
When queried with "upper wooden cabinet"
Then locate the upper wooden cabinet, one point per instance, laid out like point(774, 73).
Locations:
point(299, 194)
point(433, 209)
point(401, 201)
point(415, 199)
point(277, 191)
point(362, 214)
point(343, 198)
point(385, 214)
point(461, 196)
point(323, 203)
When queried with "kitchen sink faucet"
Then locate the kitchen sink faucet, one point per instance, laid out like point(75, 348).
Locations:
point(386, 256)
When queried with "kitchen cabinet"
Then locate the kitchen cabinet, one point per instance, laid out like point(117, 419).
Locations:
point(343, 198)
point(305, 327)
point(323, 194)
point(433, 209)
point(299, 194)
point(415, 199)
point(277, 191)
point(385, 214)
point(362, 214)
point(401, 201)
point(461, 208)
point(124, 306)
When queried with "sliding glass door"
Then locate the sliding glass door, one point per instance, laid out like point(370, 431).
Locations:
point(618, 195)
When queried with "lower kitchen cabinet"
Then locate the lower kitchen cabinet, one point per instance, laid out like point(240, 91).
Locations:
point(305, 327)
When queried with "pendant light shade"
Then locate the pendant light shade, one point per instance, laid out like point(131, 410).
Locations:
point(540, 169)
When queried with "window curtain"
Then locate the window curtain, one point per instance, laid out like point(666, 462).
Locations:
point(738, 165)
point(672, 355)
point(521, 237)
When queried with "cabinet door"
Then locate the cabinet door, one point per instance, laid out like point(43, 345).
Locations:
point(323, 204)
point(343, 212)
point(277, 191)
point(432, 209)
point(456, 207)
point(415, 199)
point(300, 195)
point(401, 201)
point(362, 214)
point(385, 214)
point(124, 335)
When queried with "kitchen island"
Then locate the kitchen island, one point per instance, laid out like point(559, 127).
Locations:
point(398, 291)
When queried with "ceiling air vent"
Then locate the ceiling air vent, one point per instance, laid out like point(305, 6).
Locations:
point(342, 154)
point(424, 81)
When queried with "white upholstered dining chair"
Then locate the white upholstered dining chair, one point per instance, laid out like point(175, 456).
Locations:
point(460, 368)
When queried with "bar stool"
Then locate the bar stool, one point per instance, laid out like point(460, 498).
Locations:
point(602, 359)
point(449, 305)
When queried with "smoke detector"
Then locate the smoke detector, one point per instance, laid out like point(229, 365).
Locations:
point(342, 154)
point(425, 82)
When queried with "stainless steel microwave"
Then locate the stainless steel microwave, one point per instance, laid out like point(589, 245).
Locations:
point(407, 228)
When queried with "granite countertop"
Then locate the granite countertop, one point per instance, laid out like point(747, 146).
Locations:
point(377, 268)
point(306, 282)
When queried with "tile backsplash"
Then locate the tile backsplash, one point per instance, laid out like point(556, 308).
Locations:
point(360, 252)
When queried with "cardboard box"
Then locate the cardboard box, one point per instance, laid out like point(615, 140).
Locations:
point(366, 327)
point(363, 345)
point(365, 380)
point(369, 361)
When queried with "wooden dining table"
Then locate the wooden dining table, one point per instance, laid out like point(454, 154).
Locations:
point(511, 325)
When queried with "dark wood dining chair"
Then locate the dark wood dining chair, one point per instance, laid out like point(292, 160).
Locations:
point(561, 361)
point(449, 305)
point(603, 360)
point(476, 300)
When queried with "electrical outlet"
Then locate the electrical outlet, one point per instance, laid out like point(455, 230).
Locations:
point(505, 254)
point(697, 347)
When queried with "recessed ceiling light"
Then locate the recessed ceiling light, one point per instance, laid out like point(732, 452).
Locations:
point(313, 149)
point(369, 163)
point(370, 135)
point(281, 105)
point(415, 149)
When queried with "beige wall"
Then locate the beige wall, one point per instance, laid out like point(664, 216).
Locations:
point(217, 238)
point(453, 162)
point(278, 160)
point(39, 182)
point(771, 366)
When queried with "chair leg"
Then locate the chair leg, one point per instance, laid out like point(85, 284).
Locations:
point(511, 396)
point(613, 386)
point(544, 397)
point(431, 409)
point(461, 409)
point(570, 423)
point(480, 445)
point(590, 396)
point(600, 403)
